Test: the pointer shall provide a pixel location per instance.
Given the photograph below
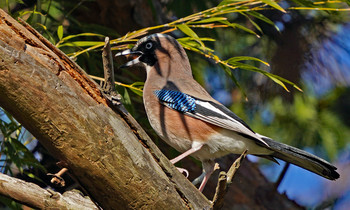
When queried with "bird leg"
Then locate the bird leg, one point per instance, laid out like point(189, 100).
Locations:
point(200, 178)
point(187, 153)
point(194, 148)
point(208, 168)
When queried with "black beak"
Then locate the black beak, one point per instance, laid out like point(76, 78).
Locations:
point(135, 55)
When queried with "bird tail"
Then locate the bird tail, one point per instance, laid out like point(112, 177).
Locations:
point(303, 159)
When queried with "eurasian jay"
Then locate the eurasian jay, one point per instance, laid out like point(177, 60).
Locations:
point(186, 117)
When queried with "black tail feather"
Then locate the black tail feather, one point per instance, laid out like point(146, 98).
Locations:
point(303, 159)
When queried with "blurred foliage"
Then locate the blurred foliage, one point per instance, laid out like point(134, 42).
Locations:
point(14, 153)
point(306, 122)
point(213, 32)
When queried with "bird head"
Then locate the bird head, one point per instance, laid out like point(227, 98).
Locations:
point(156, 50)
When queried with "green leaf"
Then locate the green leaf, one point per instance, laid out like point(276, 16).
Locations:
point(189, 43)
point(185, 39)
point(254, 24)
point(306, 3)
point(137, 87)
point(274, 5)
point(277, 79)
point(126, 100)
point(236, 25)
point(246, 58)
point(82, 34)
point(32, 12)
point(190, 47)
point(189, 32)
point(76, 54)
point(233, 78)
point(209, 20)
point(262, 18)
point(138, 84)
point(60, 32)
point(42, 26)
point(82, 44)
point(224, 2)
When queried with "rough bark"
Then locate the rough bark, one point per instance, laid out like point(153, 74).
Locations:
point(34, 196)
point(106, 152)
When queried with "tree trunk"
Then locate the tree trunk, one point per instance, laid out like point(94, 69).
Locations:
point(117, 165)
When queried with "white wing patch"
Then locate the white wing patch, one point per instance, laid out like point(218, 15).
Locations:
point(219, 118)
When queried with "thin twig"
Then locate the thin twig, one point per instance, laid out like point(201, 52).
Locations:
point(107, 60)
point(224, 181)
point(233, 169)
point(220, 191)
point(281, 176)
point(109, 83)
point(57, 177)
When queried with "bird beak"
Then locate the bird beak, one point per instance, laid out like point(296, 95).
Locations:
point(135, 55)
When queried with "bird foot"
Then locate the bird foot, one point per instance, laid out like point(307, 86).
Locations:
point(183, 171)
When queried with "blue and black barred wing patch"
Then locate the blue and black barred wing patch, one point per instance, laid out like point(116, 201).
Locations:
point(176, 100)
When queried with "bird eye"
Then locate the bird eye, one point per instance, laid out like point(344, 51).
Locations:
point(149, 45)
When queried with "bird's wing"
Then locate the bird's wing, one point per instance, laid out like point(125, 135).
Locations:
point(208, 111)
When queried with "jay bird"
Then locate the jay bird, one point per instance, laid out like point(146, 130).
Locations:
point(187, 118)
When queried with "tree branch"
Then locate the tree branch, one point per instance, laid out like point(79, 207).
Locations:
point(34, 196)
point(225, 180)
point(108, 69)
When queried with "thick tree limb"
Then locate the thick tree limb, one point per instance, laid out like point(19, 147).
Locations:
point(66, 111)
point(34, 196)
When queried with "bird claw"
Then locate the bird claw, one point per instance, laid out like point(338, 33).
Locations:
point(183, 171)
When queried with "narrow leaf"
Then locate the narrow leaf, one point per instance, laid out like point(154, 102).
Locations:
point(278, 82)
point(274, 5)
point(227, 2)
point(277, 79)
point(245, 58)
point(137, 91)
point(137, 84)
point(23, 13)
point(209, 20)
point(236, 25)
point(263, 18)
point(60, 32)
point(252, 22)
point(233, 78)
point(189, 32)
point(42, 26)
point(185, 39)
point(306, 3)
point(194, 46)
point(82, 44)
point(82, 34)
